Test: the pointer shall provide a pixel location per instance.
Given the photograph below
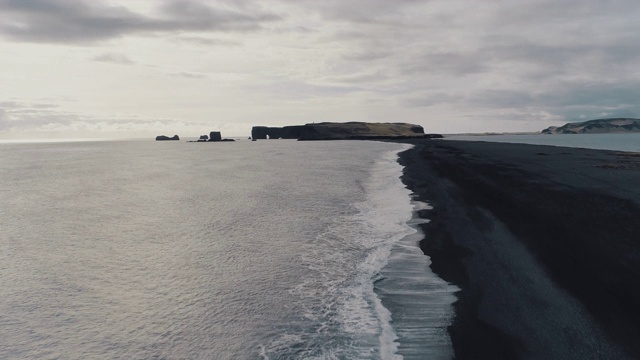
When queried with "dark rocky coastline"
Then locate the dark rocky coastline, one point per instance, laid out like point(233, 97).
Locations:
point(543, 242)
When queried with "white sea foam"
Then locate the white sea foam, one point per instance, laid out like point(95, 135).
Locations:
point(350, 319)
point(383, 222)
point(417, 297)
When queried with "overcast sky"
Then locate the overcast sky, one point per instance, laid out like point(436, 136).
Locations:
point(131, 68)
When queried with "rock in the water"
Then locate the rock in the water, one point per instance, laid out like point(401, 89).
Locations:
point(164, 137)
point(215, 136)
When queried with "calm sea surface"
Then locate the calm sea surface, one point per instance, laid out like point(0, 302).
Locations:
point(245, 250)
point(621, 142)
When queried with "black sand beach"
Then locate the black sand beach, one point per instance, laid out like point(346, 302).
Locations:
point(544, 243)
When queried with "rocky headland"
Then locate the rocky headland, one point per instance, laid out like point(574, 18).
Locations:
point(342, 131)
point(598, 126)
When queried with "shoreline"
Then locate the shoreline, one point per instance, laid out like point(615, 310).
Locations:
point(542, 241)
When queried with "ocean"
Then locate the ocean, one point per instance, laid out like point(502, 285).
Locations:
point(616, 141)
point(246, 250)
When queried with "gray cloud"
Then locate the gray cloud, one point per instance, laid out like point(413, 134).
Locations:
point(207, 41)
point(190, 75)
point(114, 58)
point(9, 104)
point(44, 117)
point(368, 55)
point(565, 95)
point(83, 22)
point(571, 101)
point(16, 115)
point(30, 119)
point(432, 99)
point(458, 64)
point(561, 60)
point(361, 78)
point(359, 11)
point(596, 100)
point(296, 90)
point(529, 59)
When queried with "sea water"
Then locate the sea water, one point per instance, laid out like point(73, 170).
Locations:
point(613, 141)
point(171, 250)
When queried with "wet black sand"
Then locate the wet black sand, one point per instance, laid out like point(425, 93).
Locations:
point(544, 243)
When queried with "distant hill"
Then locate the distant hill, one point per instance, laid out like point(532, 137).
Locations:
point(598, 126)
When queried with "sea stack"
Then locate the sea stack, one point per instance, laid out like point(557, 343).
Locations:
point(164, 138)
point(215, 136)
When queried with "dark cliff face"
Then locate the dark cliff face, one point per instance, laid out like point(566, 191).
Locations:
point(339, 131)
point(287, 132)
point(598, 126)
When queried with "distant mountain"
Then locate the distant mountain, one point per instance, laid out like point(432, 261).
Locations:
point(599, 126)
